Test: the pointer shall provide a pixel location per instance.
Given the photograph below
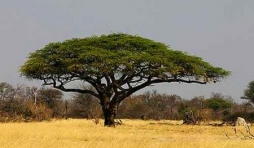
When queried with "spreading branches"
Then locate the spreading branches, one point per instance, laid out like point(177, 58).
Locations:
point(59, 84)
point(116, 65)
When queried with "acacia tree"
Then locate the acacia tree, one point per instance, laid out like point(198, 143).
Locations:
point(116, 65)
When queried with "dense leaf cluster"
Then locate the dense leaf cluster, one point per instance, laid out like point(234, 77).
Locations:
point(249, 92)
point(122, 59)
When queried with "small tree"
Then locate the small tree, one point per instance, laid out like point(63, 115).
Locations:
point(11, 101)
point(116, 65)
point(249, 92)
point(217, 104)
point(52, 98)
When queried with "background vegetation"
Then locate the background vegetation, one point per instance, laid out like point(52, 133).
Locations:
point(22, 103)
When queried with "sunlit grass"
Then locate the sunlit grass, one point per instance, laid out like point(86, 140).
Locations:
point(133, 134)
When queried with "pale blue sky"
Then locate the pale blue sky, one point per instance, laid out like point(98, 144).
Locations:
point(219, 31)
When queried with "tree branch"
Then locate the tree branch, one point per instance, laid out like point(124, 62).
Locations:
point(61, 87)
point(149, 82)
point(177, 80)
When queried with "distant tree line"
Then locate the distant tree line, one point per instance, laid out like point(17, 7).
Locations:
point(23, 103)
point(156, 106)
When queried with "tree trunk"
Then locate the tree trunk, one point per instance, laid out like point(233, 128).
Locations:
point(109, 115)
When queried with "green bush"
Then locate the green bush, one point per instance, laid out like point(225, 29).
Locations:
point(249, 117)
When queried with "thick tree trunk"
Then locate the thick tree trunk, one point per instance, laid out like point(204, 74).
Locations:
point(109, 115)
point(109, 118)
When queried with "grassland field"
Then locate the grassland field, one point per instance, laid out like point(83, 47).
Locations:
point(78, 133)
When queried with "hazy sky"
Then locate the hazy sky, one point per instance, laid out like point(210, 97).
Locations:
point(219, 31)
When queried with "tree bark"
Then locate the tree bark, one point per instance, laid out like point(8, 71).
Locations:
point(109, 115)
point(109, 109)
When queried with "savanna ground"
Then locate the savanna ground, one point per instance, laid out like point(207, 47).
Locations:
point(77, 133)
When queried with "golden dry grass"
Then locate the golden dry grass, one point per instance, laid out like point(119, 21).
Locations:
point(74, 133)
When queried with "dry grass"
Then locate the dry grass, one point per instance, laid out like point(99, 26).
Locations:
point(133, 134)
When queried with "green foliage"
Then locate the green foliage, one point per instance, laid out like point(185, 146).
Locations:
point(249, 117)
point(116, 65)
point(217, 104)
point(249, 92)
point(118, 54)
